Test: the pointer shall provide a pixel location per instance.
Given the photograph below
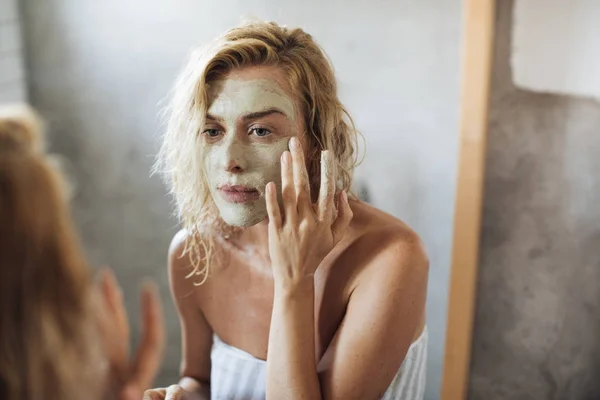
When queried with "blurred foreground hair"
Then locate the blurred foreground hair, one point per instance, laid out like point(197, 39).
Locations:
point(48, 348)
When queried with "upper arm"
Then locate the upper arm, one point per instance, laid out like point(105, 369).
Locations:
point(196, 333)
point(385, 311)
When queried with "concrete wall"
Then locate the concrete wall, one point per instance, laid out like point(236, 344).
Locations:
point(12, 71)
point(570, 55)
point(99, 69)
point(537, 325)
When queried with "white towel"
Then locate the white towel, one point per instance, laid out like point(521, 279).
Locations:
point(237, 375)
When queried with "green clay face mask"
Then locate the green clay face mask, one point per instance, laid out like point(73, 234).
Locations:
point(241, 155)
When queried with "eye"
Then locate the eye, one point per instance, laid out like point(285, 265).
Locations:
point(260, 132)
point(211, 132)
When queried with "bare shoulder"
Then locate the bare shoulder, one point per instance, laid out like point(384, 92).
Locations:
point(177, 246)
point(377, 231)
point(181, 267)
point(391, 267)
point(387, 245)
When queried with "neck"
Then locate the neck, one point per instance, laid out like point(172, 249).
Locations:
point(257, 235)
point(254, 243)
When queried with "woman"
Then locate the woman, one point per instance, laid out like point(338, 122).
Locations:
point(58, 338)
point(286, 286)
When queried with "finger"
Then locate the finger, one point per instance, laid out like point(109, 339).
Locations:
point(114, 299)
point(272, 205)
point(327, 188)
point(301, 184)
point(343, 219)
point(101, 306)
point(174, 392)
point(155, 394)
point(150, 351)
point(287, 187)
point(117, 324)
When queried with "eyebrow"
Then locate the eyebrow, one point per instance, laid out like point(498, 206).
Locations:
point(254, 115)
point(264, 113)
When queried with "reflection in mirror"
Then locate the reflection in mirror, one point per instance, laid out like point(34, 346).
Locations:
point(286, 267)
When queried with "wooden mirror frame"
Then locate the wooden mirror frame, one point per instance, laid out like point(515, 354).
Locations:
point(476, 58)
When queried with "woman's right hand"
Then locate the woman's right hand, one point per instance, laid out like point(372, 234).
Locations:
point(187, 389)
point(173, 392)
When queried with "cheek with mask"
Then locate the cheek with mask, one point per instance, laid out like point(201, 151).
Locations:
point(240, 198)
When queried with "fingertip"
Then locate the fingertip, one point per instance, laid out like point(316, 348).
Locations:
point(269, 197)
point(174, 392)
point(108, 286)
point(149, 289)
point(349, 214)
point(102, 276)
point(344, 210)
point(344, 196)
point(271, 194)
point(150, 298)
point(109, 274)
point(110, 280)
point(295, 143)
point(345, 201)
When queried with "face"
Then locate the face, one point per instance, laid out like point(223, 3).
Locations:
point(251, 118)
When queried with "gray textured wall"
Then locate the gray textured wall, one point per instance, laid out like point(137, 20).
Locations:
point(537, 325)
point(12, 71)
point(99, 69)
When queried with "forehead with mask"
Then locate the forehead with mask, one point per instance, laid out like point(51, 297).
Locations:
point(251, 116)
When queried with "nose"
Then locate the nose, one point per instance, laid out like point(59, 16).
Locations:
point(233, 166)
point(233, 157)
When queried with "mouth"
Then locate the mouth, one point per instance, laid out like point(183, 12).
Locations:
point(238, 193)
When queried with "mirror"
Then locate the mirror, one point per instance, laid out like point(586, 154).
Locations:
point(99, 72)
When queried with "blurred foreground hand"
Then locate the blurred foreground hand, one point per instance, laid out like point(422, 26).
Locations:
point(130, 376)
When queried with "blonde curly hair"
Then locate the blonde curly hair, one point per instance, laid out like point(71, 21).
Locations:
point(311, 77)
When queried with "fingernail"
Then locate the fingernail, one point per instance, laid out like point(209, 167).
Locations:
point(285, 157)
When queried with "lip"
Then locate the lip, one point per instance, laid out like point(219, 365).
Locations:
point(238, 193)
